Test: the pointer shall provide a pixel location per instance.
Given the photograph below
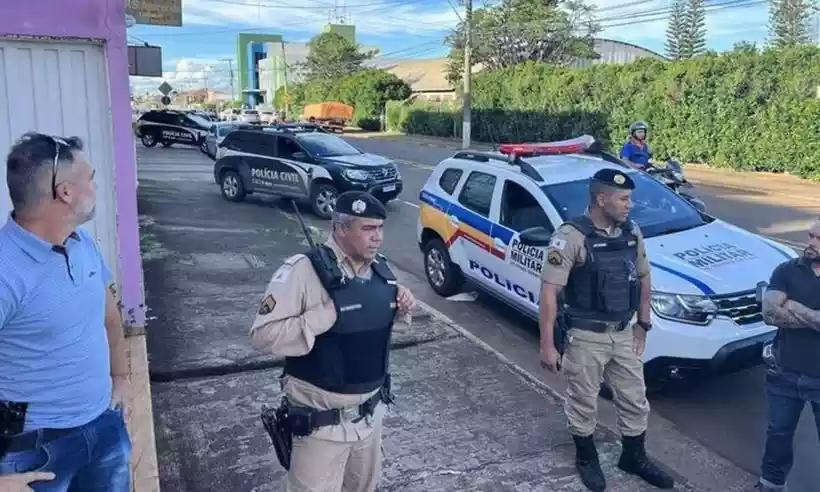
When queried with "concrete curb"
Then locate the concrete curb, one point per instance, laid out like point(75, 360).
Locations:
point(140, 420)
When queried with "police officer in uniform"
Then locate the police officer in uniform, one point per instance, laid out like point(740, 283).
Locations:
point(331, 315)
point(596, 279)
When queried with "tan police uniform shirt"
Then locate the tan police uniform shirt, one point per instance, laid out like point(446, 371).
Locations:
point(567, 249)
point(296, 309)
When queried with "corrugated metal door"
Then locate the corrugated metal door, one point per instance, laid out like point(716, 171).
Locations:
point(61, 88)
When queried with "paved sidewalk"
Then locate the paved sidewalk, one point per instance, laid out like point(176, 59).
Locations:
point(464, 419)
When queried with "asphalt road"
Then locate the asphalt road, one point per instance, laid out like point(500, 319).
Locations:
point(726, 414)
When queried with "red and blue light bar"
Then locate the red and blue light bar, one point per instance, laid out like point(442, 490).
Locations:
point(572, 146)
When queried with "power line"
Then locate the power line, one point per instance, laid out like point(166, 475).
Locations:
point(300, 23)
point(386, 4)
point(664, 10)
point(664, 15)
point(622, 5)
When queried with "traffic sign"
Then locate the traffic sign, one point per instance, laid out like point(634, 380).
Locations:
point(166, 100)
point(165, 88)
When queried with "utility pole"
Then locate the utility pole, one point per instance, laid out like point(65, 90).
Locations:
point(230, 69)
point(285, 78)
point(468, 79)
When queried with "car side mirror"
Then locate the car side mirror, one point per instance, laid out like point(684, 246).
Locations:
point(699, 204)
point(674, 166)
point(535, 236)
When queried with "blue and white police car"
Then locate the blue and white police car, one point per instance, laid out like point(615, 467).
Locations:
point(486, 217)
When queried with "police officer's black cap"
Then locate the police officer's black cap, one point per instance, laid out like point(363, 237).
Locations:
point(615, 178)
point(360, 204)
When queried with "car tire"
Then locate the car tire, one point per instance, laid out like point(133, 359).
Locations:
point(323, 200)
point(167, 144)
point(232, 187)
point(149, 140)
point(442, 274)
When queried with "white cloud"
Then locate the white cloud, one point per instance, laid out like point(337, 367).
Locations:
point(188, 74)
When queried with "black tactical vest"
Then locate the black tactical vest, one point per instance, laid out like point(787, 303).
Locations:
point(606, 287)
point(352, 357)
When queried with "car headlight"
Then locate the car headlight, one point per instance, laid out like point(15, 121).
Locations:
point(356, 174)
point(686, 308)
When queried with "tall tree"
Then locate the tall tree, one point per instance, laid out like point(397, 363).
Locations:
point(333, 56)
point(516, 31)
point(694, 40)
point(790, 22)
point(676, 30)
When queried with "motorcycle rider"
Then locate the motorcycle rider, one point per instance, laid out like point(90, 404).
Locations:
point(635, 151)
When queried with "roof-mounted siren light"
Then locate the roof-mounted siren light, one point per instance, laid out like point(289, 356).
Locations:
point(578, 145)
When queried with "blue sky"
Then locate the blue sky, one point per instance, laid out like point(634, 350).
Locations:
point(398, 28)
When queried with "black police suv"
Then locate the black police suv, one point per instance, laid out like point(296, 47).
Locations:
point(168, 127)
point(310, 166)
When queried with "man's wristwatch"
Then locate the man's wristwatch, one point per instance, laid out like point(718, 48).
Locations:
point(646, 325)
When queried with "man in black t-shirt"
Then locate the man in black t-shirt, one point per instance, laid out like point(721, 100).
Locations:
point(792, 304)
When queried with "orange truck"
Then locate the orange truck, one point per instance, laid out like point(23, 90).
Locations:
point(331, 115)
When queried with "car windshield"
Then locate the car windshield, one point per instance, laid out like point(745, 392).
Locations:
point(323, 145)
point(199, 120)
point(656, 209)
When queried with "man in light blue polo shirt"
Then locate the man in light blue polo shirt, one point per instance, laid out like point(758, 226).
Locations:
point(63, 367)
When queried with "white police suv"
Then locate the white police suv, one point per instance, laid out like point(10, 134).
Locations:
point(487, 217)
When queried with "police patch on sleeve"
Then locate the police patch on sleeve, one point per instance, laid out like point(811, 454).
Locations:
point(558, 243)
point(267, 305)
point(554, 258)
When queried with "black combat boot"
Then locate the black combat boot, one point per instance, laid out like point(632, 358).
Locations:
point(634, 460)
point(586, 461)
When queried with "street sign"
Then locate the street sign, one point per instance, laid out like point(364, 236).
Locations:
point(155, 12)
point(165, 88)
point(166, 100)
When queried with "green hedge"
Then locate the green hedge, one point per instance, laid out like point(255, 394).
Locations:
point(367, 91)
point(746, 110)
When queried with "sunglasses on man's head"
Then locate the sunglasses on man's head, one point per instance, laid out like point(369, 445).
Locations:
point(57, 143)
point(70, 143)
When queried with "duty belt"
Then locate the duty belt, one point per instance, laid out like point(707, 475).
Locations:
point(596, 325)
point(304, 420)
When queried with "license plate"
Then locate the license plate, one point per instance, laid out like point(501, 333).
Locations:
point(389, 188)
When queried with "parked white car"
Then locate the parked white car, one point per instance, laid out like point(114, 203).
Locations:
point(230, 114)
point(267, 116)
point(249, 116)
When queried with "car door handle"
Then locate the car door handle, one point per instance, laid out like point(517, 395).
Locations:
point(498, 243)
point(454, 220)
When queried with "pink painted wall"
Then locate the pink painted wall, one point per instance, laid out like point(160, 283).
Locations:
point(105, 20)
